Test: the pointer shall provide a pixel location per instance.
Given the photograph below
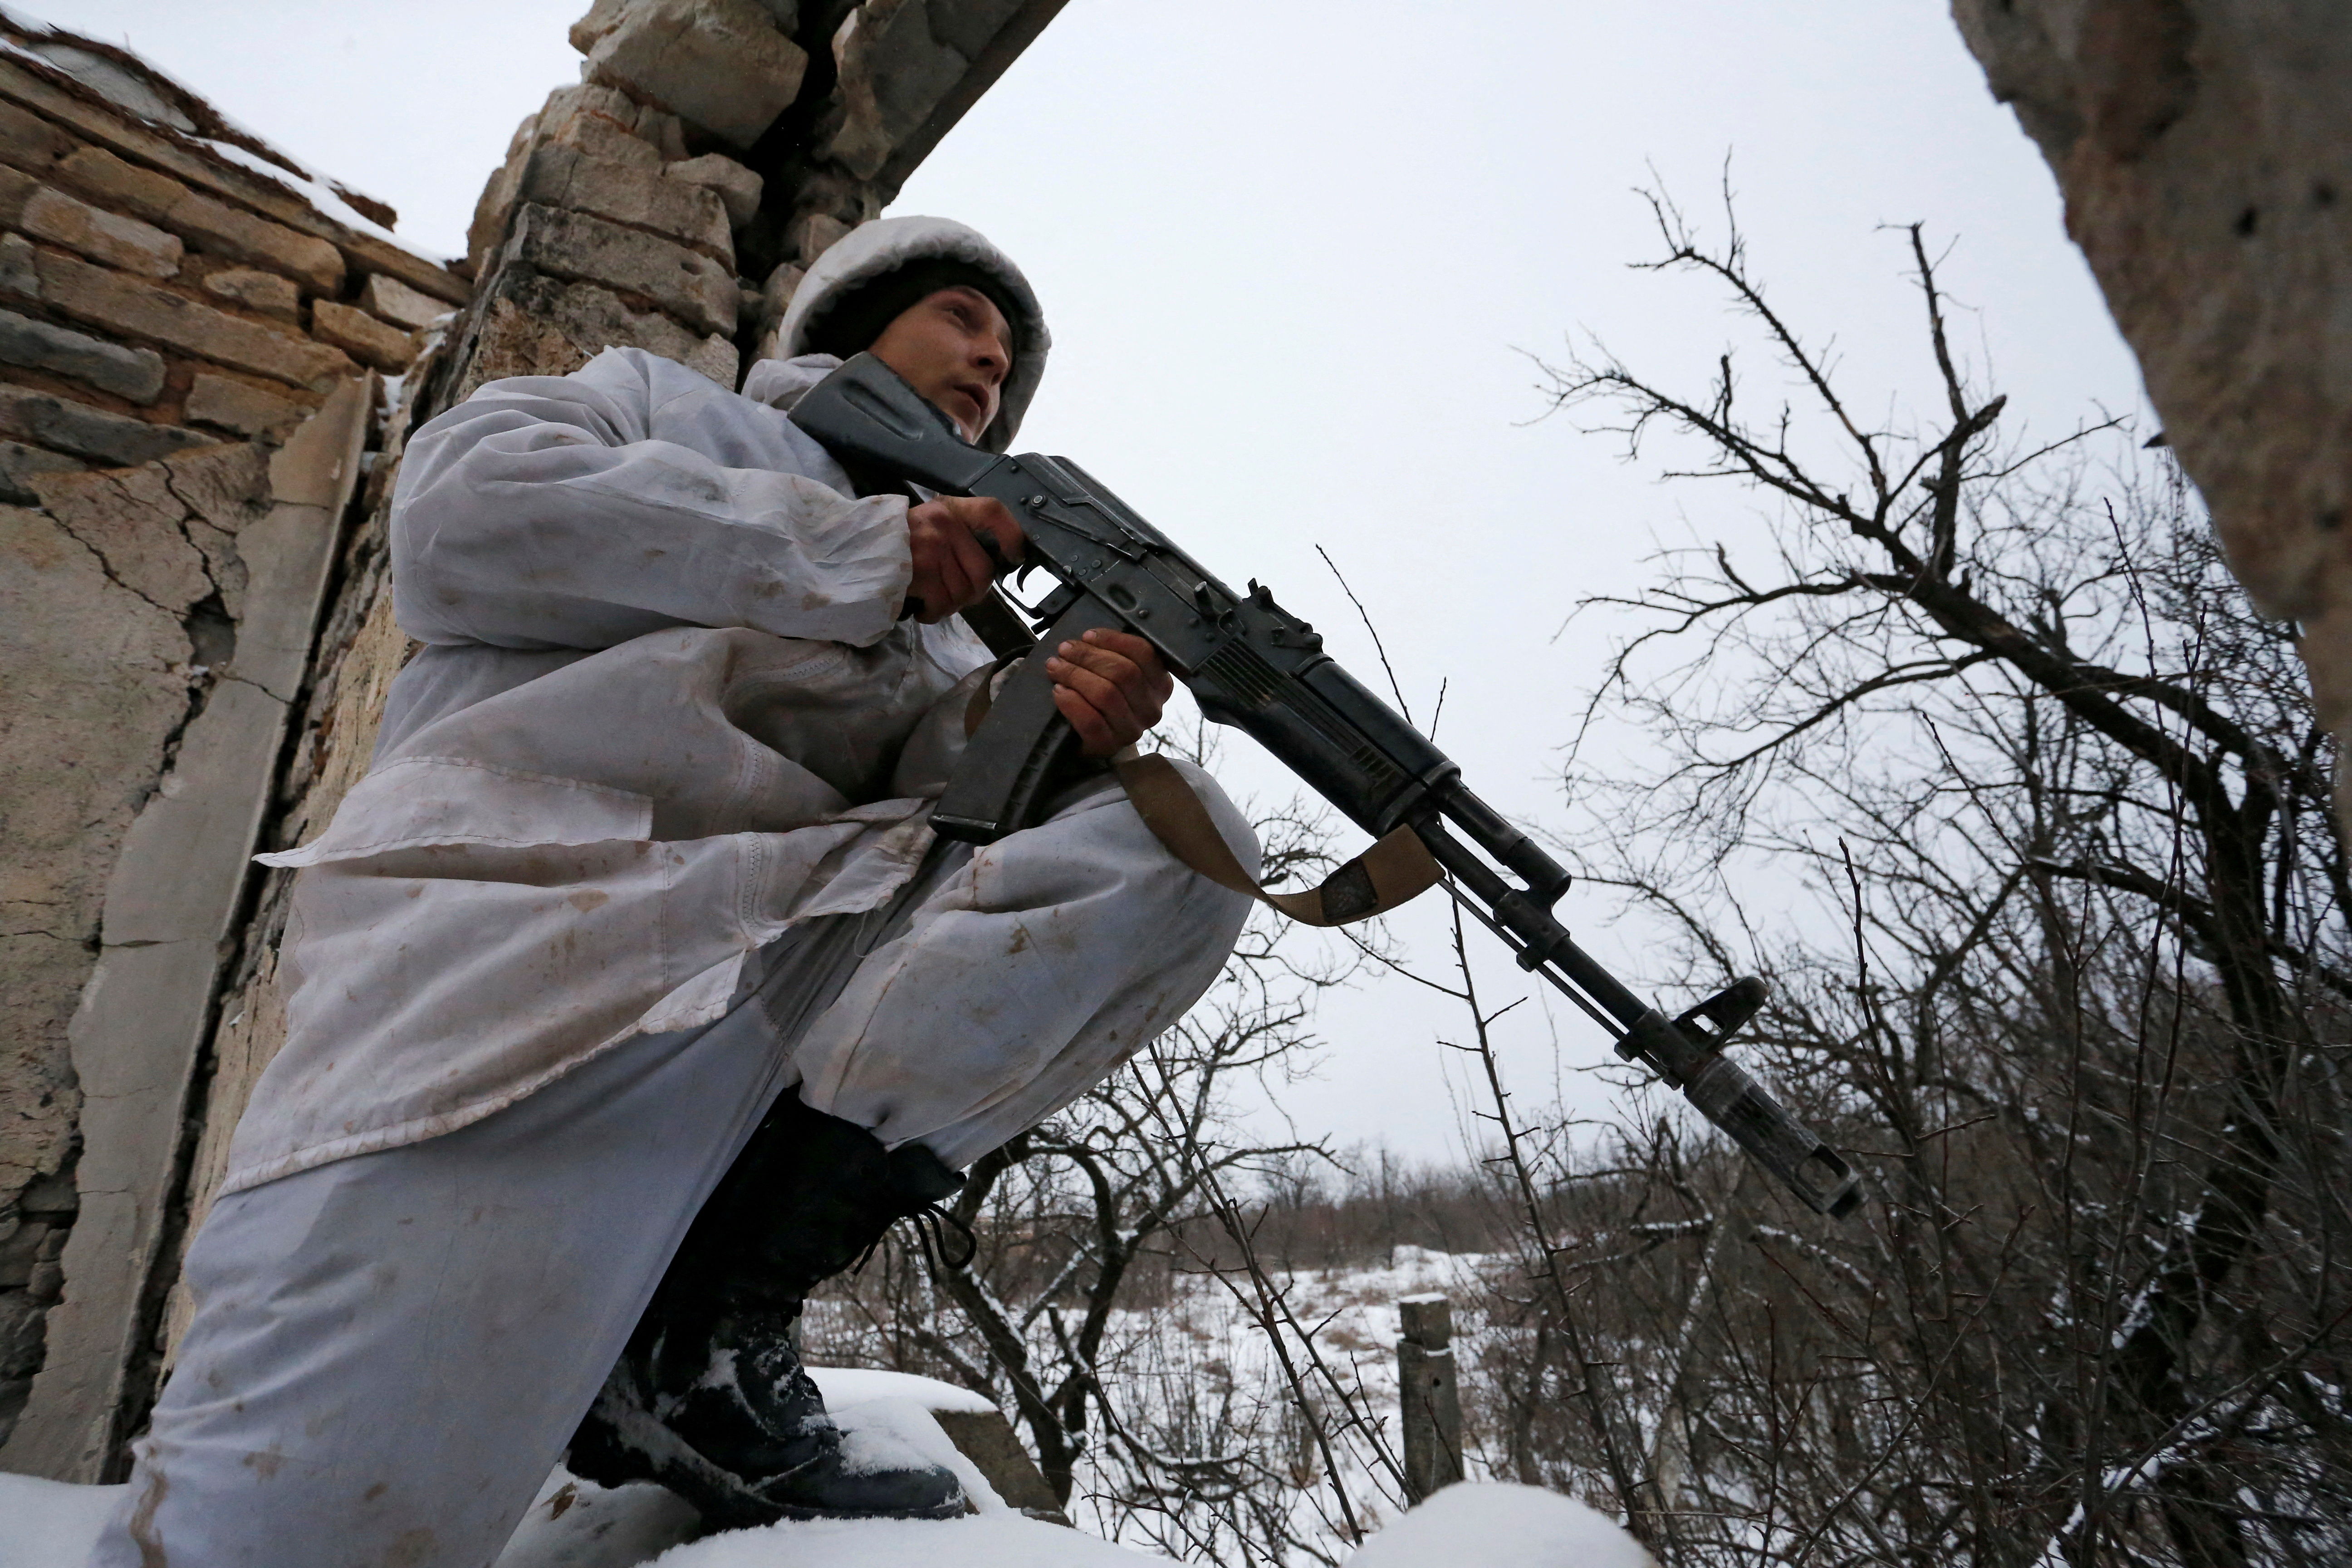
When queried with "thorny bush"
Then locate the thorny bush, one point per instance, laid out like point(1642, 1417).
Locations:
point(2077, 997)
point(2069, 977)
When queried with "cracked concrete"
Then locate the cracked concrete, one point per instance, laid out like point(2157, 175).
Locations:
point(97, 686)
point(166, 646)
point(154, 887)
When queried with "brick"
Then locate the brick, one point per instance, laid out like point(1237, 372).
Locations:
point(30, 142)
point(136, 375)
point(265, 293)
point(665, 130)
point(736, 187)
point(603, 17)
point(15, 190)
point(126, 305)
point(895, 73)
point(854, 201)
point(364, 252)
point(396, 302)
point(718, 64)
point(536, 325)
point(118, 241)
point(970, 27)
point(691, 287)
point(811, 234)
point(487, 230)
point(17, 274)
point(224, 230)
point(776, 294)
point(212, 226)
point(600, 137)
point(18, 462)
point(230, 405)
point(676, 209)
point(46, 420)
point(362, 336)
point(601, 122)
point(97, 173)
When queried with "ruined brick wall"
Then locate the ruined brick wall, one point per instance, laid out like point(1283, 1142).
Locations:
point(190, 351)
point(714, 149)
point(671, 202)
point(2204, 148)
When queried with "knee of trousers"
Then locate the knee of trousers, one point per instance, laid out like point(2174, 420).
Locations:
point(1037, 968)
point(1184, 909)
point(1214, 914)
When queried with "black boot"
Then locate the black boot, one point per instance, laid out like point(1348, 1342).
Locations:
point(710, 1398)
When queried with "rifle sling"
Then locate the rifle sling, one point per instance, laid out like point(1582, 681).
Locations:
point(1395, 870)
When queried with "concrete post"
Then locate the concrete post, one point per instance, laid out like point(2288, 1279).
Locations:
point(1430, 1400)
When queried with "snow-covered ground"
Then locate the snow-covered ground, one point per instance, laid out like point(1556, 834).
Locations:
point(1194, 1378)
point(577, 1524)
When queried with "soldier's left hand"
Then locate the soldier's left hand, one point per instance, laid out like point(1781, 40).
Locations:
point(1112, 687)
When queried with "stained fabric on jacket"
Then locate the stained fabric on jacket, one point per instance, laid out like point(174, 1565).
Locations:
point(666, 711)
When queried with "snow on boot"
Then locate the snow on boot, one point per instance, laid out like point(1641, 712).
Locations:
point(757, 1412)
point(710, 1398)
point(740, 1432)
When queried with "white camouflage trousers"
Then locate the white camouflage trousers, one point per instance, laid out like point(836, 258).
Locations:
point(389, 1351)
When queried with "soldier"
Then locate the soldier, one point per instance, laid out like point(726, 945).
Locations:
point(636, 918)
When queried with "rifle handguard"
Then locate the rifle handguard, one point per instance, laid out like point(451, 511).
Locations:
point(1726, 1095)
point(1252, 664)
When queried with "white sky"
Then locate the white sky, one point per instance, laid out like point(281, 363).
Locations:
point(1290, 250)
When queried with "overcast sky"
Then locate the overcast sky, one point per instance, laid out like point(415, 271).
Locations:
point(1295, 255)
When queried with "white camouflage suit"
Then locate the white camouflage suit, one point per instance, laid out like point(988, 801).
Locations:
point(668, 735)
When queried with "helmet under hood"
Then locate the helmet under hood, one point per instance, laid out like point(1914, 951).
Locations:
point(851, 290)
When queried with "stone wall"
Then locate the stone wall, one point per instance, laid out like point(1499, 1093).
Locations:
point(713, 149)
point(192, 333)
point(2204, 148)
point(670, 201)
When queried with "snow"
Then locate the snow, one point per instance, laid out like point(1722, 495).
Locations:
point(574, 1523)
point(1196, 1376)
point(984, 1541)
point(885, 1418)
point(1501, 1525)
point(129, 92)
point(881, 1433)
point(846, 1386)
point(50, 1524)
point(578, 1524)
point(318, 193)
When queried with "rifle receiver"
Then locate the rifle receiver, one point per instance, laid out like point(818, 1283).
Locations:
point(866, 416)
point(1253, 664)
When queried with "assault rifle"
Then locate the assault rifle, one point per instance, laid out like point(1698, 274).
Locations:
point(1252, 664)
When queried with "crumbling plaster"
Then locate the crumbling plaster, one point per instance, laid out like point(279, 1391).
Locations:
point(256, 532)
point(2204, 149)
point(670, 201)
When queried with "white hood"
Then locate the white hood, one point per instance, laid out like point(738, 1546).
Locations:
point(883, 246)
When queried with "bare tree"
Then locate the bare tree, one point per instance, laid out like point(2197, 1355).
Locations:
point(2067, 972)
point(1083, 1226)
point(1999, 703)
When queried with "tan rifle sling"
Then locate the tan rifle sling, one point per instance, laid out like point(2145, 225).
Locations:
point(1395, 870)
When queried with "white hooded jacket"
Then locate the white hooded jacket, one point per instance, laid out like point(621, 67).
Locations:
point(666, 709)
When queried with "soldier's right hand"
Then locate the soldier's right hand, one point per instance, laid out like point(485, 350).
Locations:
point(953, 569)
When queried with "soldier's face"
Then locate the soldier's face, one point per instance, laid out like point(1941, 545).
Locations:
point(951, 346)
